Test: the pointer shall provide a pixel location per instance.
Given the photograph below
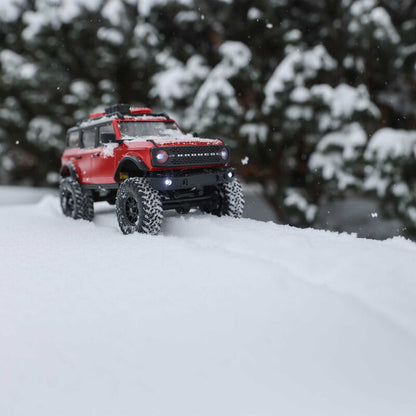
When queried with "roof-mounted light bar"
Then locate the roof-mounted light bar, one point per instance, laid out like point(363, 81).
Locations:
point(140, 110)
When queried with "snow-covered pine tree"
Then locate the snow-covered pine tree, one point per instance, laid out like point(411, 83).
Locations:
point(390, 173)
point(302, 110)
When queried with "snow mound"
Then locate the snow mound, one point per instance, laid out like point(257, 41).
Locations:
point(215, 316)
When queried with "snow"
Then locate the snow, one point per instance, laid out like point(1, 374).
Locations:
point(293, 35)
point(349, 140)
point(236, 56)
point(114, 11)
point(333, 152)
point(376, 182)
point(254, 13)
point(254, 132)
point(214, 316)
point(15, 67)
point(216, 97)
point(54, 13)
point(179, 137)
point(300, 94)
point(144, 34)
point(343, 101)
point(186, 16)
point(295, 112)
point(12, 195)
point(177, 81)
point(110, 35)
point(9, 9)
point(244, 160)
point(295, 69)
point(388, 143)
point(295, 199)
point(45, 133)
point(81, 91)
point(411, 212)
point(108, 150)
point(346, 99)
point(387, 149)
point(365, 13)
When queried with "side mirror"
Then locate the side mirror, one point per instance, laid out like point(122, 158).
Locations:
point(108, 138)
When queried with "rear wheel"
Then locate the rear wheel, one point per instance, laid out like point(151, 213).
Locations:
point(74, 202)
point(138, 207)
point(88, 206)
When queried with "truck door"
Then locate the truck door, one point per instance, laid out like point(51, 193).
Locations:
point(88, 140)
point(102, 159)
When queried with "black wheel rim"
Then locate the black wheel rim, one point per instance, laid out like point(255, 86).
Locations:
point(67, 202)
point(132, 210)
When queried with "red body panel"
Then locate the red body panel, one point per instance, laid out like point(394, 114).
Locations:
point(97, 166)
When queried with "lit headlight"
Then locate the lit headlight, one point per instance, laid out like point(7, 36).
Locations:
point(224, 153)
point(168, 182)
point(162, 156)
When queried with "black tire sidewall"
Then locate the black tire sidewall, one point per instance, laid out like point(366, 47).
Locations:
point(127, 190)
point(70, 185)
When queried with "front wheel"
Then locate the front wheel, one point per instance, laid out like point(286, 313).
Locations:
point(230, 200)
point(138, 207)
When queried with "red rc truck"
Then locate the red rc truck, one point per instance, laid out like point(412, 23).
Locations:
point(143, 163)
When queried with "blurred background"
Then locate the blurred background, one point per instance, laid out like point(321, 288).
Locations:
point(316, 97)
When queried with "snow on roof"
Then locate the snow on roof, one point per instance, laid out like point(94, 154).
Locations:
point(107, 118)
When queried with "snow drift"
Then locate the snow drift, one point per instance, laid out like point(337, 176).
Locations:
point(215, 316)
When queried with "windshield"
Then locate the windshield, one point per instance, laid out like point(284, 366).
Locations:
point(148, 128)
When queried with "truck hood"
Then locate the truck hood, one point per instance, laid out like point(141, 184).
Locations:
point(134, 142)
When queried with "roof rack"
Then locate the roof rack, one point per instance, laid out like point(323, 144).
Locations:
point(123, 109)
point(160, 115)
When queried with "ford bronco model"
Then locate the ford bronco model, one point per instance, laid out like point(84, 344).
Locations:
point(143, 163)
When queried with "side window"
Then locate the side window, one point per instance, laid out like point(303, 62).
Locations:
point(88, 137)
point(73, 139)
point(107, 128)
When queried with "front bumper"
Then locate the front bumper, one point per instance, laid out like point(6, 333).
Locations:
point(174, 182)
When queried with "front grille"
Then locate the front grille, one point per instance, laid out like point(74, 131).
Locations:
point(190, 156)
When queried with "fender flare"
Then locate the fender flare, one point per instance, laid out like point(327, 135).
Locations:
point(137, 162)
point(69, 169)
